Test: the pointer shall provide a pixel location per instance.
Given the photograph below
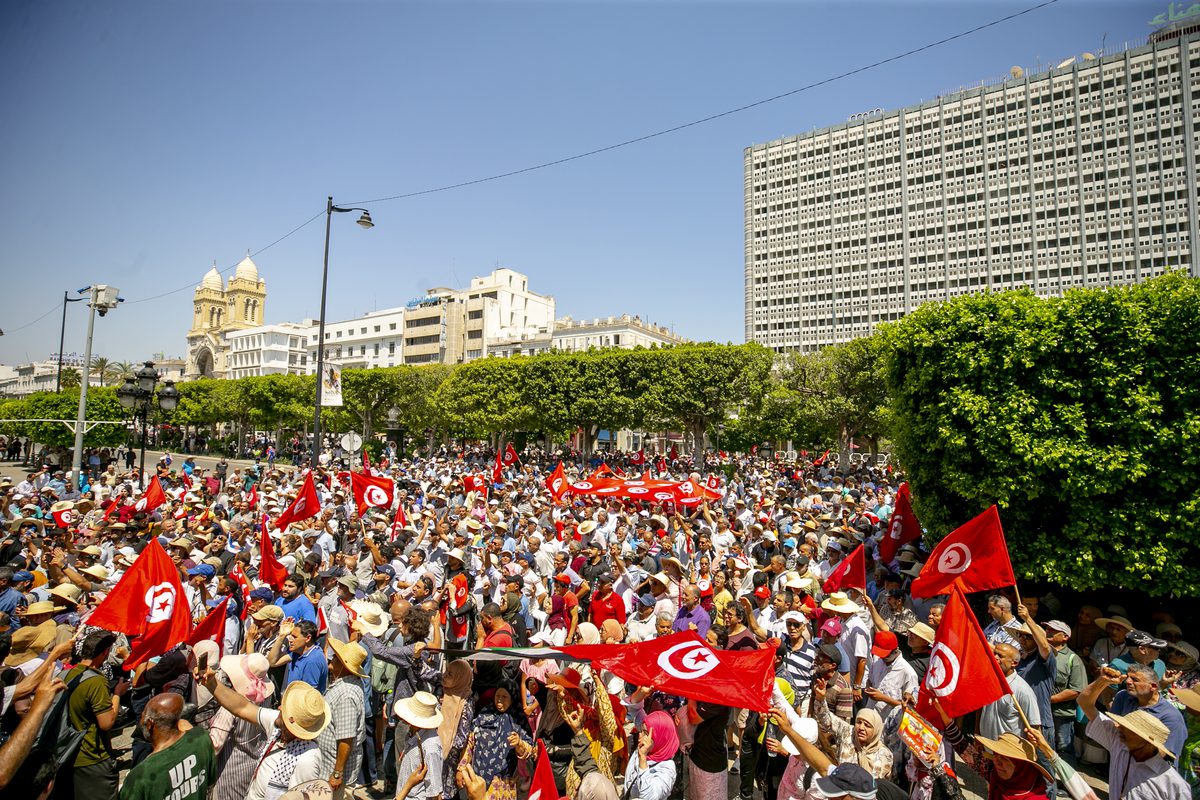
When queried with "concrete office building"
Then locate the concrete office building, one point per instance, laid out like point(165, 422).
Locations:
point(1083, 175)
point(567, 334)
point(267, 350)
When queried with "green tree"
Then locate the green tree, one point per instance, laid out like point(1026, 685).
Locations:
point(102, 405)
point(103, 369)
point(486, 397)
point(584, 390)
point(369, 393)
point(1079, 416)
point(71, 379)
point(417, 399)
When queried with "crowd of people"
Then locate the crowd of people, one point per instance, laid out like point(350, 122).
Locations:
point(352, 676)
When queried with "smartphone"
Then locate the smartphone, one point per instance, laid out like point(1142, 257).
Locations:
point(203, 664)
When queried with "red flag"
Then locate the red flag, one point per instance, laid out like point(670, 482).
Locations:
point(270, 569)
point(111, 506)
point(542, 787)
point(498, 470)
point(148, 603)
point(351, 614)
point(557, 483)
point(366, 460)
point(212, 627)
point(252, 498)
point(963, 673)
point(683, 664)
point(474, 483)
point(819, 460)
point(213, 485)
point(674, 454)
point(152, 498)
point(238, 576)
point(714, 482)
point(305, 505)
point(65, 518)
point(371, 492)
point(510, 456)
point(638, 458)
point(459, 596)
point(974, 556)
point(902, 527)
point(186, 480)
point(322, 622)
point(850, 574)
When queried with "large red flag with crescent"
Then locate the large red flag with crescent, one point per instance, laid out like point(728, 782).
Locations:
point(902, 526)
point(152, 498)
point(542, 787)
point(306, 505)
point(557, 483)
point(371, 492)
point(963, 673)
point(238, 576)
point(474, 483)
point(510, 456)
point(147, 603)
point(638, 458)
point(850, 574)
point(974, 556)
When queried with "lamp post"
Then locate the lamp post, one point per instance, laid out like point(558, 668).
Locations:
point(100, 298)
point(365, 222)
point(137, 395)
point(395, 433)
point(62, 335)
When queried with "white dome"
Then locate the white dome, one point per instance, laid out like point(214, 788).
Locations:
point(246, 269)
point(212, 280)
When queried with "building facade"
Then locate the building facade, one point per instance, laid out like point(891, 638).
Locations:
point(268, 350)
point(567, 335)
point(218, 309)
point(1080, 176)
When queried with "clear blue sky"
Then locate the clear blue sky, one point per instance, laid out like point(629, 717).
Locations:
point(143, 140)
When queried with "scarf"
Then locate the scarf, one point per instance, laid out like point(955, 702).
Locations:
point(612, 630)
point(663, 735)
point(875, 743)
point(588, 633)
point(1027, 783)
point(456, 687)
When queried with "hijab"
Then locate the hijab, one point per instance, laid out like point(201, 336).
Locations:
point(868, 748)
point(612, 629)
point(456, 685)
point(665, 738)
point(557, 619)
point(588, 633)
point(595, 786)
point(1027, 783)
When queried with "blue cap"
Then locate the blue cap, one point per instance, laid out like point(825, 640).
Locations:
point(789, 542)
point(216, 601)
point(386, 569)
point(202, 569)
point(262, 593)
point(22, 575)
point(647, 599)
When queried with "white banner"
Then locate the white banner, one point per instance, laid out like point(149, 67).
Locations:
point(331, 386)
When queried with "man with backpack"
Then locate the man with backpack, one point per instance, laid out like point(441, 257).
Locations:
point(93, 709)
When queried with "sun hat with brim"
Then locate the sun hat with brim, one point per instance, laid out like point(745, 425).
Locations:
point(370, 616)
point(1104, 622)
point(91, 550)
point(1190, 698)
point(457, 553)
point(913, 571)
point(662, 578)
point(28, 643)
point(923, 632)
point(569, 678)
point(67, 591)
point(1146, 726)
point(40, 607)
point(421, 711)
point(1012, 746)
point(1188, 650)
point(96, 571)
point(247, 671)
point(351, 654)
point(20, 523)
point(303, 711)
point(839, 603)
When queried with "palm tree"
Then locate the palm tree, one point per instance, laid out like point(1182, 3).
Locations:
point(103, 368)
point(122, 370)
point(71, 378)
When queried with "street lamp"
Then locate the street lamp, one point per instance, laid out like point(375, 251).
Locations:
point(365, 221)
point(137, 394)
point(100, 298)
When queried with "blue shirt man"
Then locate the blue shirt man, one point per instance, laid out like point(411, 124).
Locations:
point(308, 662)
point(295, 604)
point(691, 613)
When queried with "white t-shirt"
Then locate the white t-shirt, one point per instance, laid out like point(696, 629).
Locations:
point(284, 766)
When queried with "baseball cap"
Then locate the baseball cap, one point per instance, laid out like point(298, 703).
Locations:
point(386, 569)
point(885, 643)
point(1143, 639)
point(22, 575)
point(647, 599)
point(847, 779)
point(272, 612)
point(832, 627)
point(262, 593)
point(1058, 626)
point(202, 569)
point(762, 591)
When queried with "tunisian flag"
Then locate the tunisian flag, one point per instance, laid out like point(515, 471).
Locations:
point(850, 574)
point(147, 603)
point(542, 787)
point(474, 483)
point(963, 673)
point(684, 665)
point(270, 569)
point(556, 482)
point(974, 556)
point(902, 527)
point(510, 456)
point(305, 505)
point(212, 627)
point(638, 458)
point(371, 492)
point(238, 576)
point(151, 499)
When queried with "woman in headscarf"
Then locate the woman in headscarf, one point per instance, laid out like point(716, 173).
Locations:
point(651, 772)
point(1008, 764)
point(860, 743)
point(556, 623)
point(237, 742)
point(499, 737)
point(457, 716)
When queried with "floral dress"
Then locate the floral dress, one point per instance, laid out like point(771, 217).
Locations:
point(490, 754)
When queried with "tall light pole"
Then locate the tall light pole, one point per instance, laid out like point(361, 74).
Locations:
point(62, 335)
point(137, 394)
point(101, 298)
point(364, 221)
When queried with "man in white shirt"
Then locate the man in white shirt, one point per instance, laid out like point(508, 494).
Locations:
point(890, 676)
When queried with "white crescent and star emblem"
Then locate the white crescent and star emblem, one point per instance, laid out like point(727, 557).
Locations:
point(140, 505)
point(695, 660)
point(375, 496)
point(944, 670)
point(956, 559)
point(582, 486)
point(160, 602)
point(897, 526)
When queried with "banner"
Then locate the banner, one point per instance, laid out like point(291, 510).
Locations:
point(331, 386)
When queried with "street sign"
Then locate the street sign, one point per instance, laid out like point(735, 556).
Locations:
point(351, 442)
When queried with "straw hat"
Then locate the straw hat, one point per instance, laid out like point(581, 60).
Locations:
point(1147, 726)
point(40, 607)
point(1012, 746)
point(245, 670)
point(1104, 622)
point(28, 643)
point(371, 617)
point(1189, 697)
point(839, 603)
point(586, 527)
point(421, 710)
point(458, 554)
point(97, 571)
point(922, 631)
point(67, 591)
point(303, 710)
point(662, 578)
point(351, 654)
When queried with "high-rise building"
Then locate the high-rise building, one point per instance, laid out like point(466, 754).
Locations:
point(1083, 175)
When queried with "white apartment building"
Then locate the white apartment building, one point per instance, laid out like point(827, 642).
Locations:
point(267, 350)
point(39, 376)
point(1080, 176)
point(372, 340)
point(567, 334)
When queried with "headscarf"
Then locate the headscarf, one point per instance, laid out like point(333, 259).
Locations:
point(456, 685)
point(1027, 783)
point(868, 748)
point(595, 786)
point(557, 619)
point(588, 633)
point(665, 737)
point(611, 629)
point(492, 755)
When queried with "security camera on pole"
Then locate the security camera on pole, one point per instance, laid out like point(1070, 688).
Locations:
point(101, 298)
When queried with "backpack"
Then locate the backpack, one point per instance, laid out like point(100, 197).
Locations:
point(57, 739)
point(383, 674)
